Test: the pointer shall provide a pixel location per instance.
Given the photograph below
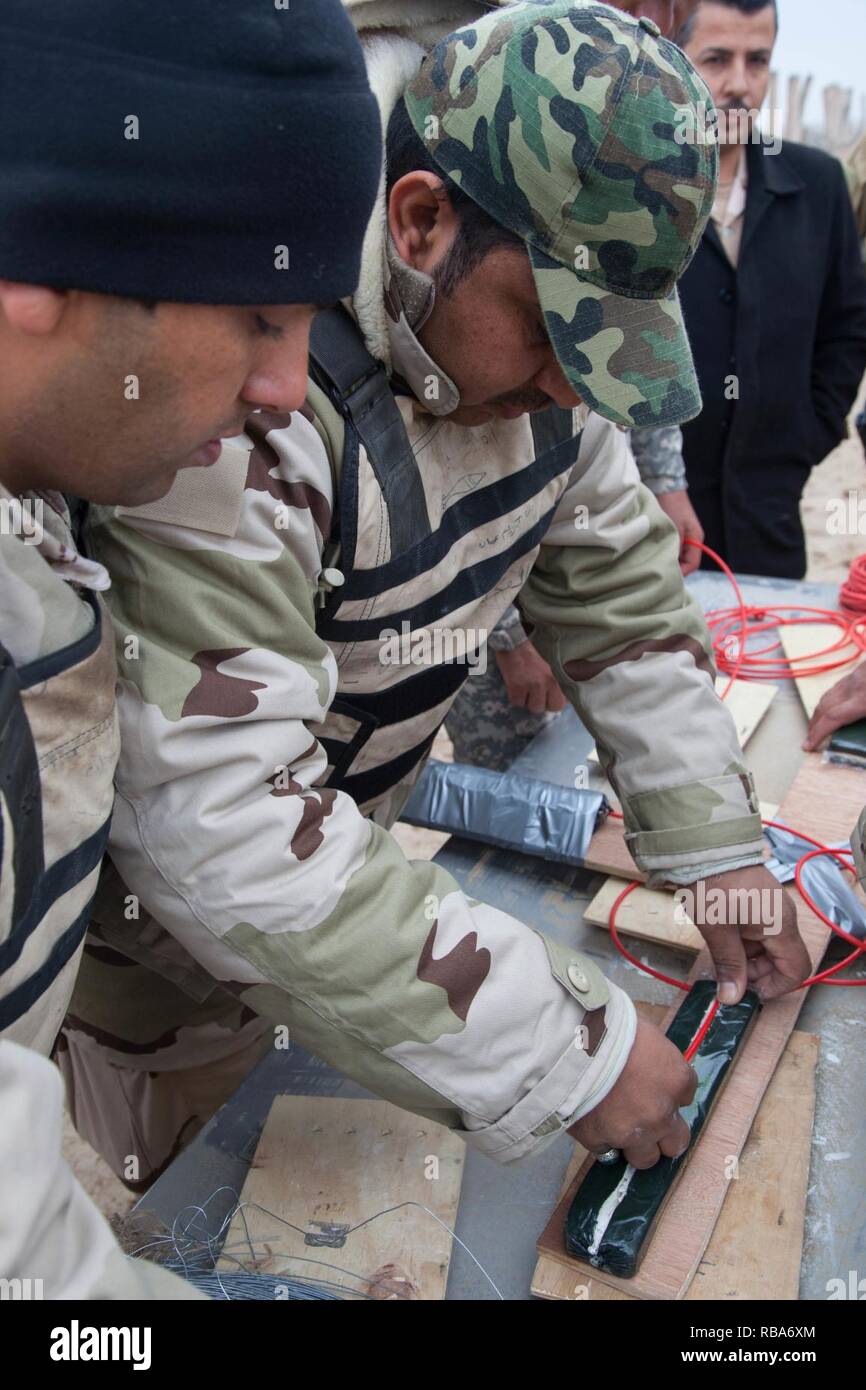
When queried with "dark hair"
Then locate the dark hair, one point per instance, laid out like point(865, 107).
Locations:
point(479, 233)
point(685, 31)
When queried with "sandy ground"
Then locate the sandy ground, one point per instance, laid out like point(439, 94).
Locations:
point(830, 556)
point(829, 559)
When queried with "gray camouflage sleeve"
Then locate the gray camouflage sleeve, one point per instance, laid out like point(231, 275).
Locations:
point(509, 632)
point(658, 454)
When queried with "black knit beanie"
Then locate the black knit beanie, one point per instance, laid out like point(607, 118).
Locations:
point(207, 151)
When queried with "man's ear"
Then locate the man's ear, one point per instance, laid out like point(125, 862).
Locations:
point(31, 309)
point(422, 220)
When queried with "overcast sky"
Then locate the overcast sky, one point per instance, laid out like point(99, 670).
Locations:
point(826, 38)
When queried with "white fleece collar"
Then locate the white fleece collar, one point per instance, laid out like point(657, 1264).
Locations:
point(392, 302)
point(392, 62)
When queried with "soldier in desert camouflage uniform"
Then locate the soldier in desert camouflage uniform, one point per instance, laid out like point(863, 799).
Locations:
point(271, 735)
point(80, 244)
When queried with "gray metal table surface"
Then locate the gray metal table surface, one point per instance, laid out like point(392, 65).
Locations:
point(503, 1210)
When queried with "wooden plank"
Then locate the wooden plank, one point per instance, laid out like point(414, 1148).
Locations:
point(748, 702)
point(329, 1160)
point(649, 914)
point(607, 852)
point(805, 639)
point(824, 801)
point(756, 1246)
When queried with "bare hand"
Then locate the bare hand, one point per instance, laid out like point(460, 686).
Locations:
point(677, 506)
point(641, 1115)
point(749, 924)
point(529, 681)
point(844, 703)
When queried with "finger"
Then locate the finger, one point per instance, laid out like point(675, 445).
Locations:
point(729, 959)
point(759, 968)
point(599, 1149)
point(555, 698)
point(642, 1155)
point(517, 694)
point(688, 1086)
point(537, 699)
point(779, 982)
point(791, 966)
point(773, 986)
point(822, 726)
point(690, 559)
point(677, 1140)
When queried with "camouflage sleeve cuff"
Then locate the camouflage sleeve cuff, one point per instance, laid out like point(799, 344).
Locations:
point(702, 825)
point(704, 870)
point(665, 482)
point(658, 453)
point(508, 633)
point(584, 1074)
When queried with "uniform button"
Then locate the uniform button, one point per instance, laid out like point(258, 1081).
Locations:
point(726, 296)
point(650, 26)
point(578, 979)
point(334, 577)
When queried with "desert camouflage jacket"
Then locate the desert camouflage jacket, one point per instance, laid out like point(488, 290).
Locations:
point(58, 750)
point(54, 1243)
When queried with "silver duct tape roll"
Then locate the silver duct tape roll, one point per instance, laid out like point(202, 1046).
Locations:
point(507, 810)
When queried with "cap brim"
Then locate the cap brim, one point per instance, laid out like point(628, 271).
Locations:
point(628, 359)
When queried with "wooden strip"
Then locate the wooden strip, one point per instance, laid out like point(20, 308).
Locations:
point(806, 638)
point(607, 852)
point(823, 801)
point(756, 1246)
point(330, 1160)
point(748, 702)
point(649, 914)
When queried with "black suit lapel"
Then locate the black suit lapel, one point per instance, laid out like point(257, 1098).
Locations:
point(770, 177)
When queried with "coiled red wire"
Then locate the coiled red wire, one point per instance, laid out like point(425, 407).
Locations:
point(729, 628)
point(852, 595)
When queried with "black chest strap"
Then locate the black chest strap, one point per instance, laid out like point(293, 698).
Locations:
point(358, 386)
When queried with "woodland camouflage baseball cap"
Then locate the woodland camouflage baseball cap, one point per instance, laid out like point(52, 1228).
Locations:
point(559, 120)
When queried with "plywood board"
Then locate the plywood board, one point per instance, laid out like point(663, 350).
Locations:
point(823, 801)
point(756, 1246)
point(649, 914)
point(326, 1161)
point(607, 852)
point(805, 639)
point(748, 702)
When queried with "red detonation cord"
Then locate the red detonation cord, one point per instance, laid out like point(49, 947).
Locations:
point(852, 595)
point(729, 628)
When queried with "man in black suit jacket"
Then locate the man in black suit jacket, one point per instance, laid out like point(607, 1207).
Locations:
point(775, 306)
